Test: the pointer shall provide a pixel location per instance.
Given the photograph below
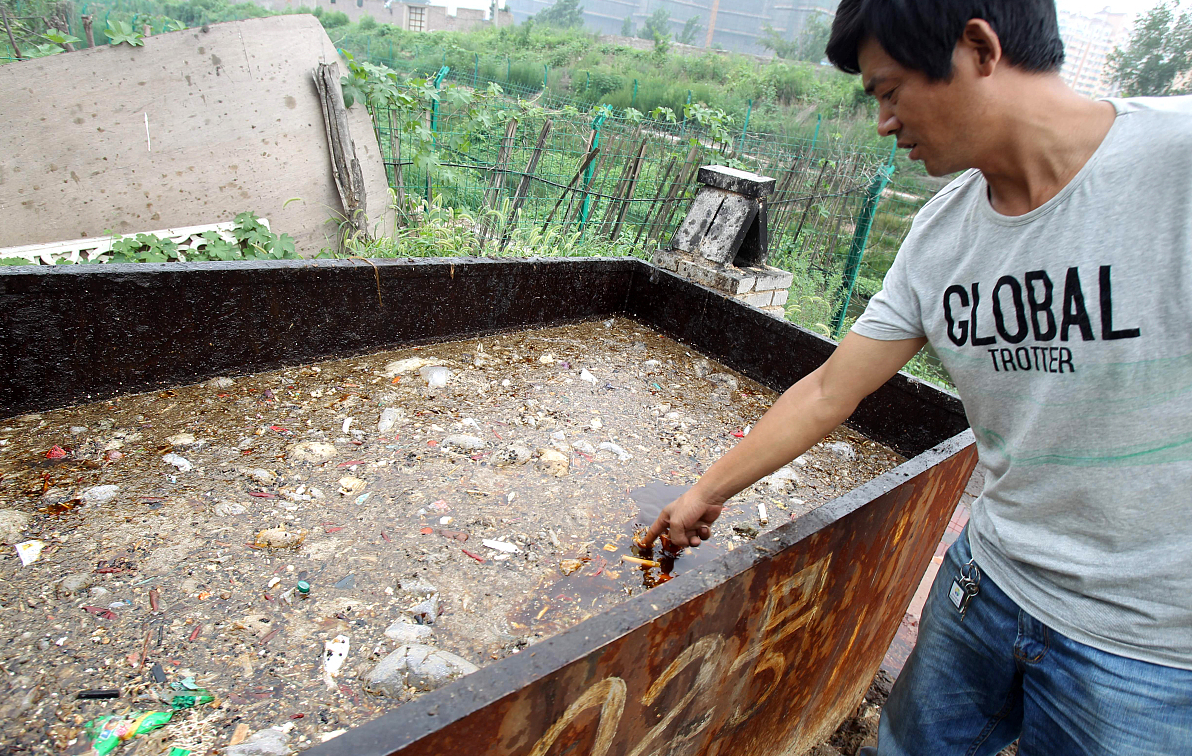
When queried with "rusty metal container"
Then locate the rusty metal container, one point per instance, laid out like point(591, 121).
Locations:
point(763, 652)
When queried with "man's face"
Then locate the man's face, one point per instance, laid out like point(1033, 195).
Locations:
point(936, 120)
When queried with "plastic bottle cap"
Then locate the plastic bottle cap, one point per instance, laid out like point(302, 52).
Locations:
point(303, 587)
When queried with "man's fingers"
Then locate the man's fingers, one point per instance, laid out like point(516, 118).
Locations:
point(704, 532)
point(658, 528)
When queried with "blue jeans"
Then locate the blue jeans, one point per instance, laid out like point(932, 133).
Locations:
point(971, 688)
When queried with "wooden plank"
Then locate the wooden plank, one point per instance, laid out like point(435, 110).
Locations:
point(645, 224)
point(345, 167)
point(395, 151)
point(629, 191)
point(686, 174)
point(807, 205)
point(497, 180)
point(523, 186)
point(582, 166)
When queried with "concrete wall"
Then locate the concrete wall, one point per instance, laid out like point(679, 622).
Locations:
point(234, 124)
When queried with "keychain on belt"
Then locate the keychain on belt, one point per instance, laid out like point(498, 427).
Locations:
point(964, 587)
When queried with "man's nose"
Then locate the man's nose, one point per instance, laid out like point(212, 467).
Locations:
point(887, 123)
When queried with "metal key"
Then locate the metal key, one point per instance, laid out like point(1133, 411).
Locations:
point(965, 587)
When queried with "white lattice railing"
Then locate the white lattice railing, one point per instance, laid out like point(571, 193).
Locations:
point(92, 248)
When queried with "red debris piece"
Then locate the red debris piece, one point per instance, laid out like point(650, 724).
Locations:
point(194, 634)
point(427, 531)
point(270, 635)
point(261, 495)
point(432, 442)
point(739, 434)
point(353, 462)
point(455, 535)
point(297, 716)
point(385, 536)
point(279, 429)
point(335, 529)
point(357, 443)
point(56, 452)
point(100, 612)
point(440, 505)
point(498, 435)
point(154, 599)
point(477, 558)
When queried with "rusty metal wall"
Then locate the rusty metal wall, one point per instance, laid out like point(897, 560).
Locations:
point(763, 653)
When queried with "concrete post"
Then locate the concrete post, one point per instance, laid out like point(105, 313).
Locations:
point(723, 242)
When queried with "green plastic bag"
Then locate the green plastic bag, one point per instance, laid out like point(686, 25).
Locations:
point(109, 731)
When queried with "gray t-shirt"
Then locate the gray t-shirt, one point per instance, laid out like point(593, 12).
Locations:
point(1068, 333)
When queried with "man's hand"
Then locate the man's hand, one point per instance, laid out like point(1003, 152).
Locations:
point(688, 519)
point(803, 415)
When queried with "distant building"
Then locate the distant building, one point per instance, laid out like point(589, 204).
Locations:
point(1088, 40)
point(728, 24)
point(413, 16)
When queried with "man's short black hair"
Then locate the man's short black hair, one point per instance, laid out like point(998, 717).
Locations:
point(922, 34)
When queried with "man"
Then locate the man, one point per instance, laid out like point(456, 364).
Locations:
point(1054, 279)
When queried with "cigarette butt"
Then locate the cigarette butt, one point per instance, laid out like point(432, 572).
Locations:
point(544, 610)
point(642, 562)
point(761, 514)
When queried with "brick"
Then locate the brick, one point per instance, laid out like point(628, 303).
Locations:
point(667, 260)
point(728, 280)
point(780, 297)
point(769, 277)
point(757, 299)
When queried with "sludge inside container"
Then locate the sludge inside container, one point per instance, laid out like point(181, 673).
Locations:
point(472, 497)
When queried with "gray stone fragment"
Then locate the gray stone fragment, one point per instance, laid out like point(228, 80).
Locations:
point(842, 449)
point(514, 454)
point(12, 523)
point(417, 666)
point(229, 509)
point(259, 475)
point(426, 611)
point(417, 586)
point(406, 632)
point(72, 584)
point(268, 742)
point(724, 379)
point(463, 443)
point(316, 452)
point(100, 494)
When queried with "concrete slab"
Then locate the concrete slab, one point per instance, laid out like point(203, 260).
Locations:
point(192, 128)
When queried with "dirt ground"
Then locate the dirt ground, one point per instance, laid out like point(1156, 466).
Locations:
point(179, 527)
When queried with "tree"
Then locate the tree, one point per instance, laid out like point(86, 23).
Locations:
point(808, 45)
point(1158, 58)
point(627, 27)
point(690, 31)
point(564, 14)
point(656, 26)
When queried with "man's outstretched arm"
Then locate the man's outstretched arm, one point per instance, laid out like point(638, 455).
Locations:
point(803, 415)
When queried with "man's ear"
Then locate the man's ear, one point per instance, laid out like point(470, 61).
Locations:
point(980, 47)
